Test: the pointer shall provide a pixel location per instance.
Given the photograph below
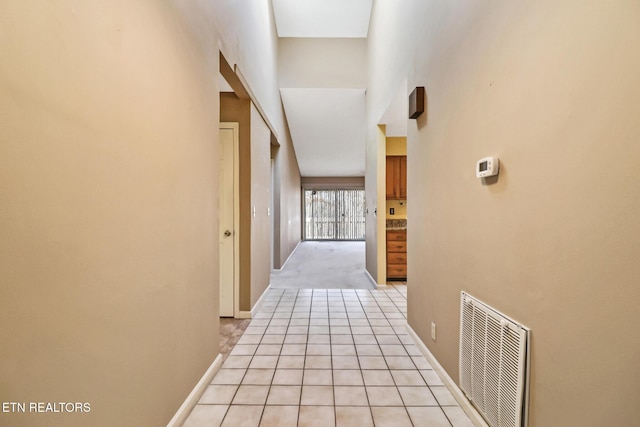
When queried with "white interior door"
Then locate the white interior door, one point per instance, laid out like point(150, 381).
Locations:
point(227, 228)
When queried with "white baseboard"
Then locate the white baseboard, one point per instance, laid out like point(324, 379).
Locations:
point(372, 280)
point(190, 402)
point(462, 400)
point(251, 314)
point(258, 303)
point(289, 257)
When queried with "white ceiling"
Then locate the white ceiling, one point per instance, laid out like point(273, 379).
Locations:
point(328, 130)
point(322, 18)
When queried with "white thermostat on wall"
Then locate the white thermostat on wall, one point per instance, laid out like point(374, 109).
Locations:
point(489, 166)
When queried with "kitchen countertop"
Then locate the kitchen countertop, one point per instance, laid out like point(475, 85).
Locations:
point(396, 224)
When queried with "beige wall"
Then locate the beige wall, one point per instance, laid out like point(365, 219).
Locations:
point(375, 220)
point(396, 146)
point(261, 221)
point(287, 202)
point(552, 89)
point(322, 62)
point(108, 264)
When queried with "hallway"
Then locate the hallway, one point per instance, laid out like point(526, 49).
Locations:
point(328, 357)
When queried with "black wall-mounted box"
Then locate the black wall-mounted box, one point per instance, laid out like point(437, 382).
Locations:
point(416, 102)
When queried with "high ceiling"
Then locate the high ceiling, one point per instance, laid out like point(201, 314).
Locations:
point(322, 18)
point(326, 117)
point(327, 127)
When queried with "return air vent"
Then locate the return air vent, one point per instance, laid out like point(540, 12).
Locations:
point(494, 363)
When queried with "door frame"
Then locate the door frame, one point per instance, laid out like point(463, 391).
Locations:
point(235, 126)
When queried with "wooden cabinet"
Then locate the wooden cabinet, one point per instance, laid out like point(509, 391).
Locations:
point(396, 174)
point(396, 254)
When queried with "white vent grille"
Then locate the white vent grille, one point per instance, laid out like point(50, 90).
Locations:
point(494, 363)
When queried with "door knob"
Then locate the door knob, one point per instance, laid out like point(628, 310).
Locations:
point(227, 233)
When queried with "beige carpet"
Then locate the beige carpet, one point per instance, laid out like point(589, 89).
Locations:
point(324, 265)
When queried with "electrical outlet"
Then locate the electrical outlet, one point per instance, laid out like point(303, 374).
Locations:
point(433, 331)
point(392, 211)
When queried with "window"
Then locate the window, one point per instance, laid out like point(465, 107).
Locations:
point(334, 214)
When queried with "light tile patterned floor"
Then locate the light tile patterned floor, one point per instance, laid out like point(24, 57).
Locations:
point(328, 357)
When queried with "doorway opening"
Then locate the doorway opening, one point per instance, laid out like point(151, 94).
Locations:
point(334, 214)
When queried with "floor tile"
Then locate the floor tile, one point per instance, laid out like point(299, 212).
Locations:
point(284, 395)
point(365, 339)
point(391, 417)
point(345, 362)
point(431, 377)
point(295, 339)
point(255, 330)
point(372, 362)
point(408, 378)
point(421, 362)
point(388, 339)
point(425, 416)
point(250, 339)
point(291, 362)
point(293, 349)
point(279, 416)
point(316, 416)
point(350, 396)
point(341, 339)
point(229, 376)
point(258, 377)
point(319, 356)
point(316, 395)
point(218, 394)
point(347, 377)
point(383, 330)
point(393, 350)
point(206, 416)
point(237, 362)
point(263, 362)
point(443, 396)
point(251, 395)
point(317, 362)
point(417, 396)
point(288, 377)
point(413, 350)
point(400, 362)
point(319, 339)
point(377, 377)
point(361, 330)
point(276, 330)
point(384, 396)
point(457, 417)
point(318, 329)
point(243, 416)
point(348, 416)
point(318, 349)
point(318, 377)
point(297, 329)
point(268, 349)
point(342, 349)
point(272, 339)
point(368, 350)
